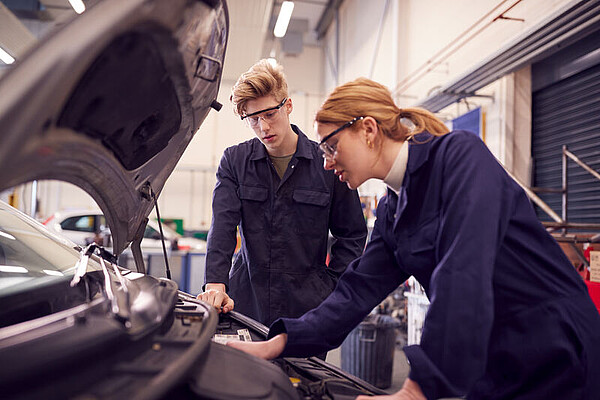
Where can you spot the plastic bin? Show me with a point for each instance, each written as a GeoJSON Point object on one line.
{"type": "Point", "coordinates": [368, 351]}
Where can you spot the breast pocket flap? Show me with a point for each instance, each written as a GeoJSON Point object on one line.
{"type": "Point", "coordinates": [311, 197]}
{"type": "Point", "coordinates": [253, 193]}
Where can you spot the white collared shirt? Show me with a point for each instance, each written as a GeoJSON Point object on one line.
{"type": "Point", "coordinates": [395, 176]}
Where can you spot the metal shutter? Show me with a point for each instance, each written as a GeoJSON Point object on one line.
{"type": "Point", "coordinates": [568, 113]}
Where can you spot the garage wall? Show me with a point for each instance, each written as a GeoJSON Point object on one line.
{"type": "Point", "coordinates": [428, 43]}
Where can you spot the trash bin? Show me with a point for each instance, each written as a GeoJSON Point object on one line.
{"type": "Point", "coordinates": [368, 351]}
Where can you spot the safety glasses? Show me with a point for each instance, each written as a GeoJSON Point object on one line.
{"type": "Point", "coordinates": [330, 149]}
{"type": "Point", "coordinates": [268, 115]}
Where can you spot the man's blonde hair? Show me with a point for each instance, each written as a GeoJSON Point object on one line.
{"type": "Point", "coordinates": [262, 79]}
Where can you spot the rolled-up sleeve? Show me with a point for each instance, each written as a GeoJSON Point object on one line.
{"type": "Point", "coordinates": [348, 227]}
{"type": "Point", "coordinates": [475, 213]}
{"type": "Point", "coordinates": [226, 207]}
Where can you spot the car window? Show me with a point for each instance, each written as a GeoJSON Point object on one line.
{"type": "Point", "coordinates": [83, 223]}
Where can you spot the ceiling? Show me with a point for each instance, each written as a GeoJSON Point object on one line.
{"type": "Point", "coordinates": [22, 22]}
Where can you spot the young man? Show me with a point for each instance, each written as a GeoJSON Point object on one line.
{"type": "Point", "coordinates": [275, 189]}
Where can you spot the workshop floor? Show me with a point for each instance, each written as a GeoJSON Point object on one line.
{"type": "Point", "coordinates": [399, 371]}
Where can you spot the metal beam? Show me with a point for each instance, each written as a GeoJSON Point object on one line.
{"type": "Point", "coordinates": [327, 17]}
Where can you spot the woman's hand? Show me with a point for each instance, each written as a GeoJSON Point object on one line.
{"type": "Point", "coordinates": [268, 350]}
{"type": "Point", "coordinates": [410, 391]}
{"type": "Point", "coordinates": [216, 296]}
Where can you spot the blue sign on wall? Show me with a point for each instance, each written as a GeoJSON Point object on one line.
{"type": "Point", "coordinates": [470, 121]}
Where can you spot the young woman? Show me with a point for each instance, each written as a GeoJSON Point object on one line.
{"type": "Point", "coordinates": [509, 316]}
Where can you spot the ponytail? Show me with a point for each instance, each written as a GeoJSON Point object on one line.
{"type": "Point", "coordinates": [422, 120]}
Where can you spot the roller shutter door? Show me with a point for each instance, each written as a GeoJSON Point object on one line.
{"type": "Point", "coordinates": [567, 112]}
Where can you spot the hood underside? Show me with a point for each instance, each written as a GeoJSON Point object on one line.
{"type": "Point", "coordinates": [110, 100]}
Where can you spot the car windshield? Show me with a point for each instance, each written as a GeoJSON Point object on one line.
{"type": "Point", "coordinates": [29, 255]}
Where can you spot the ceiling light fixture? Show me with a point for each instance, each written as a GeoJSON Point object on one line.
{"type": "Point", "coordinates": [77, 5]}
{"type": "Point", "coordinates": [13, 269]}
{"type": "Point", "coordinates": [5, 57]}
{"type": "Point", "coordinates": [285, 13]}
{"type": "Point", "coordinates": [52, 272]}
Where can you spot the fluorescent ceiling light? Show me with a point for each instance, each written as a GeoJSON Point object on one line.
{"type": "Point", "coordinates": [52, 272]}
{"type": "Point", "coordinates": [77, 5]}
{"type": "Point", "coordinates": [285, 13]}
{"type": "Point", "coordinates": [13, 269]}
{"type": "Point", "coordinates": [5, 57]}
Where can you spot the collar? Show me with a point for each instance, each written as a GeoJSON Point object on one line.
{"type": "Point", "coordinates": [395, 176]}
{"type": "Point", "coordinates": [303, 147]}
{"type": "Point", "coordinates": [419, 148]}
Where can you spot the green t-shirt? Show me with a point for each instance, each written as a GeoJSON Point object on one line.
{"type": "Point", "coordinates": [281, 164]}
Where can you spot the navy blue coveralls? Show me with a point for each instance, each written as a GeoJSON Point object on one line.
{"type": "Point", "coordinates": [280, 270]}
{"type": "Point", "coordinates": [509, 317]}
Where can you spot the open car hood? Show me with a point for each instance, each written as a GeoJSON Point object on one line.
{"type": "Point", "coordinates": [110, 100]}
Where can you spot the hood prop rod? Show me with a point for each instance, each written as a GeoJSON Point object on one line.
{"type": "Point", "coordinates": [162, 236]}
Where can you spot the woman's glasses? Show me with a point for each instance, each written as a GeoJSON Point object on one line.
{"type": "Point", "coordinates": [330, 149]}
{"type": "Point", "coordinates": [269, 115]}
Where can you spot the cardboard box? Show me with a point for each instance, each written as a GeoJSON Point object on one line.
{"type": "Point", "coordinates": [595, 266]}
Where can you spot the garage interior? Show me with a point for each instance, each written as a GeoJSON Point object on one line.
{"type": "Point", "coordinates": [524, 75]}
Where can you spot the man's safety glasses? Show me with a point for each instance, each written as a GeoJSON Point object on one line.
{"type": "Point", "coordinates": [329, 149]}
{"type": "Point", "coordinates": [269, 115]}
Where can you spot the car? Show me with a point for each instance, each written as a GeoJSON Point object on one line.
{"type": "Point", "coordinates": [84, 226]}
{"type": "Point", "coordinates": [108, 102]}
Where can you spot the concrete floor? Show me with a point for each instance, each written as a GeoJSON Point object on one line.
{"type": "Point", "coordinates": [399, 371]}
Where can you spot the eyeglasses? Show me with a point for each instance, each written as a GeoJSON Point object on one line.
{"type": "Point", "coordinates": [268, 115]}
{"type": "Point", "coordinates": [330, 149]}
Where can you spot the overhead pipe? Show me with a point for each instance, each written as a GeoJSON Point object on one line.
{"type": "Point", "coordinates": [327, 16]}
{"type": "Point", "coordinates": [578, 21]}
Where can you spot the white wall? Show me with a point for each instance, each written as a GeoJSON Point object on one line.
{"type": "Point", "coordinates": [428, 43]}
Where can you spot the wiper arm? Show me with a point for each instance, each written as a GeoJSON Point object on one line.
{"type": "Point", "coordinates": [81, 266]}
{"type": "Point", "coordinates": [81, 270]}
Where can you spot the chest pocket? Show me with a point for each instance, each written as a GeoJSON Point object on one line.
{"type": "Point", "coordinates": [311, 210]}
{"type": "Point", "coordinates": [253, 199]}
{"type": "Point", "coordinates": [418, 254]}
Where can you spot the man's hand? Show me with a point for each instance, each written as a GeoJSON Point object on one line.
{"type": "Point", "coordinates": [215, 295]}
{"type": "Point", "coordinates": [410, 391]}
{"type": "Point", "coordinates": [268, 350]}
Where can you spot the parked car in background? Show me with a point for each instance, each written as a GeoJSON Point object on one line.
{"type": "Point", "coordinates": [86, 226]}
{"type": "Point", "coordinates": [109, 101]}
